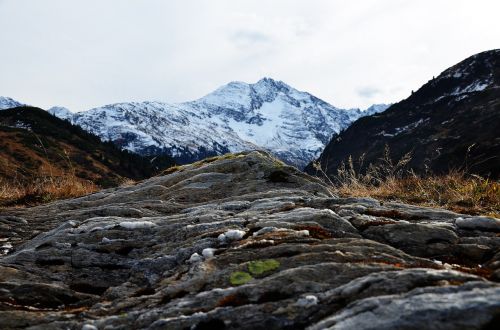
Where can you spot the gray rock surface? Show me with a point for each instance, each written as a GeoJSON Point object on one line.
{"type": "Point", "coordinates": [245, 242]}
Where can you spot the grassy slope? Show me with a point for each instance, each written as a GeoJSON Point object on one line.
{"type": "Point", "coordinates": [53, 153]}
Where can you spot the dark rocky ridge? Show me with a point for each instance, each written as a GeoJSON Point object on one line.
{"type": "Point", "coordinates": [452, 122]}
{"type": "Point", "coordinates": [245, 242]}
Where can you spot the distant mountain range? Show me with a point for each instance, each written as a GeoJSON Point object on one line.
{"type": "Point", "coordinates": [269, 115]}
{"type": "Point", "coordinates": [452, 122]}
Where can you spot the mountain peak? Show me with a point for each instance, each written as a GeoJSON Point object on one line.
{"type": "Point", "coordinates": [7, 103]}
{"type": "Point", "coordinates": [240, 95]}
{"type": "Point", "coordinates": [267, 81]}
{"type": "Point", "coordinates": [60, 112]}
{"type": "Point", "coordinates": [268, 88]}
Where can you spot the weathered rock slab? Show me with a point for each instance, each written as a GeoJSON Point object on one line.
{"type": "Point", "coordinates": [245, 242]}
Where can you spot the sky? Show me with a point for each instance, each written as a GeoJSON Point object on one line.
{"type": "Point", "coordinates": [84, 54]}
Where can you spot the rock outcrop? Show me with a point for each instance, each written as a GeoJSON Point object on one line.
{"type": "Point", "coordinates": [245, 242]}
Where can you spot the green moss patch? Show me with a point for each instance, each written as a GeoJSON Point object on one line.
{"type": "Point", "coordinates": [239, 278]}
{"type": "Point", "coordinates": [259, 267]}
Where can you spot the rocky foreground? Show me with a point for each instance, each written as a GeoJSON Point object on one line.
{"type": "Point", "coordinates": [245, 242]}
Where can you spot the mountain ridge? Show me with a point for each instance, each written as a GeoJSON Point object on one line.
{"type": "Point", "coordinates": [450, 123]}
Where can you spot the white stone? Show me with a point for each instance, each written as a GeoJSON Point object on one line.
{"type": "Point", "coordinates": [222, 238]}
{"type": "Point", "coordinates": [208, 253]}
{"type": "Point", "coordinates": [231, 235]}
{"type": "Point", "coordinates": [307, 301]}
{"type": "Point", "coordinates": [303, 233]}
{"type": "Point", "coordinates": [89, 327]}
{"type": "Point", "coordinates": [195, 257]}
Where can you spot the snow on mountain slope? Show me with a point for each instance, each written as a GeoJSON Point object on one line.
{"type": "Point", "coordinates": [464, 79]}
{"type": "Point", "coordinates": [61, 112]}
{"type": "Point", "coordinates": [270, 115]}
{"type": "Point", "coordinates": [376, 108]}
{"type": "Point", "coordinates": [154, 127]}
{"type": "Point", "coordinates": [7, 103]}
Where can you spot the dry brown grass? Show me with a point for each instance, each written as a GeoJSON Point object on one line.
{"type": "Point", "coordinates": [454, 191]}
{"type": "Point", "coordinates": [389, 181]}
{"type": "Point", "coordinates": [44, 190]}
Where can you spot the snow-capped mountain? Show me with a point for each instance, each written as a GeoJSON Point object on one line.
{"type": "Point", "coordinates": [7, 103]}
{"type": "Point", "coordinates": [270, 115]}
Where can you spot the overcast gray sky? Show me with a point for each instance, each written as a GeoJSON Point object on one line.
{"type": "Point", "coordinates": [82, 54]}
